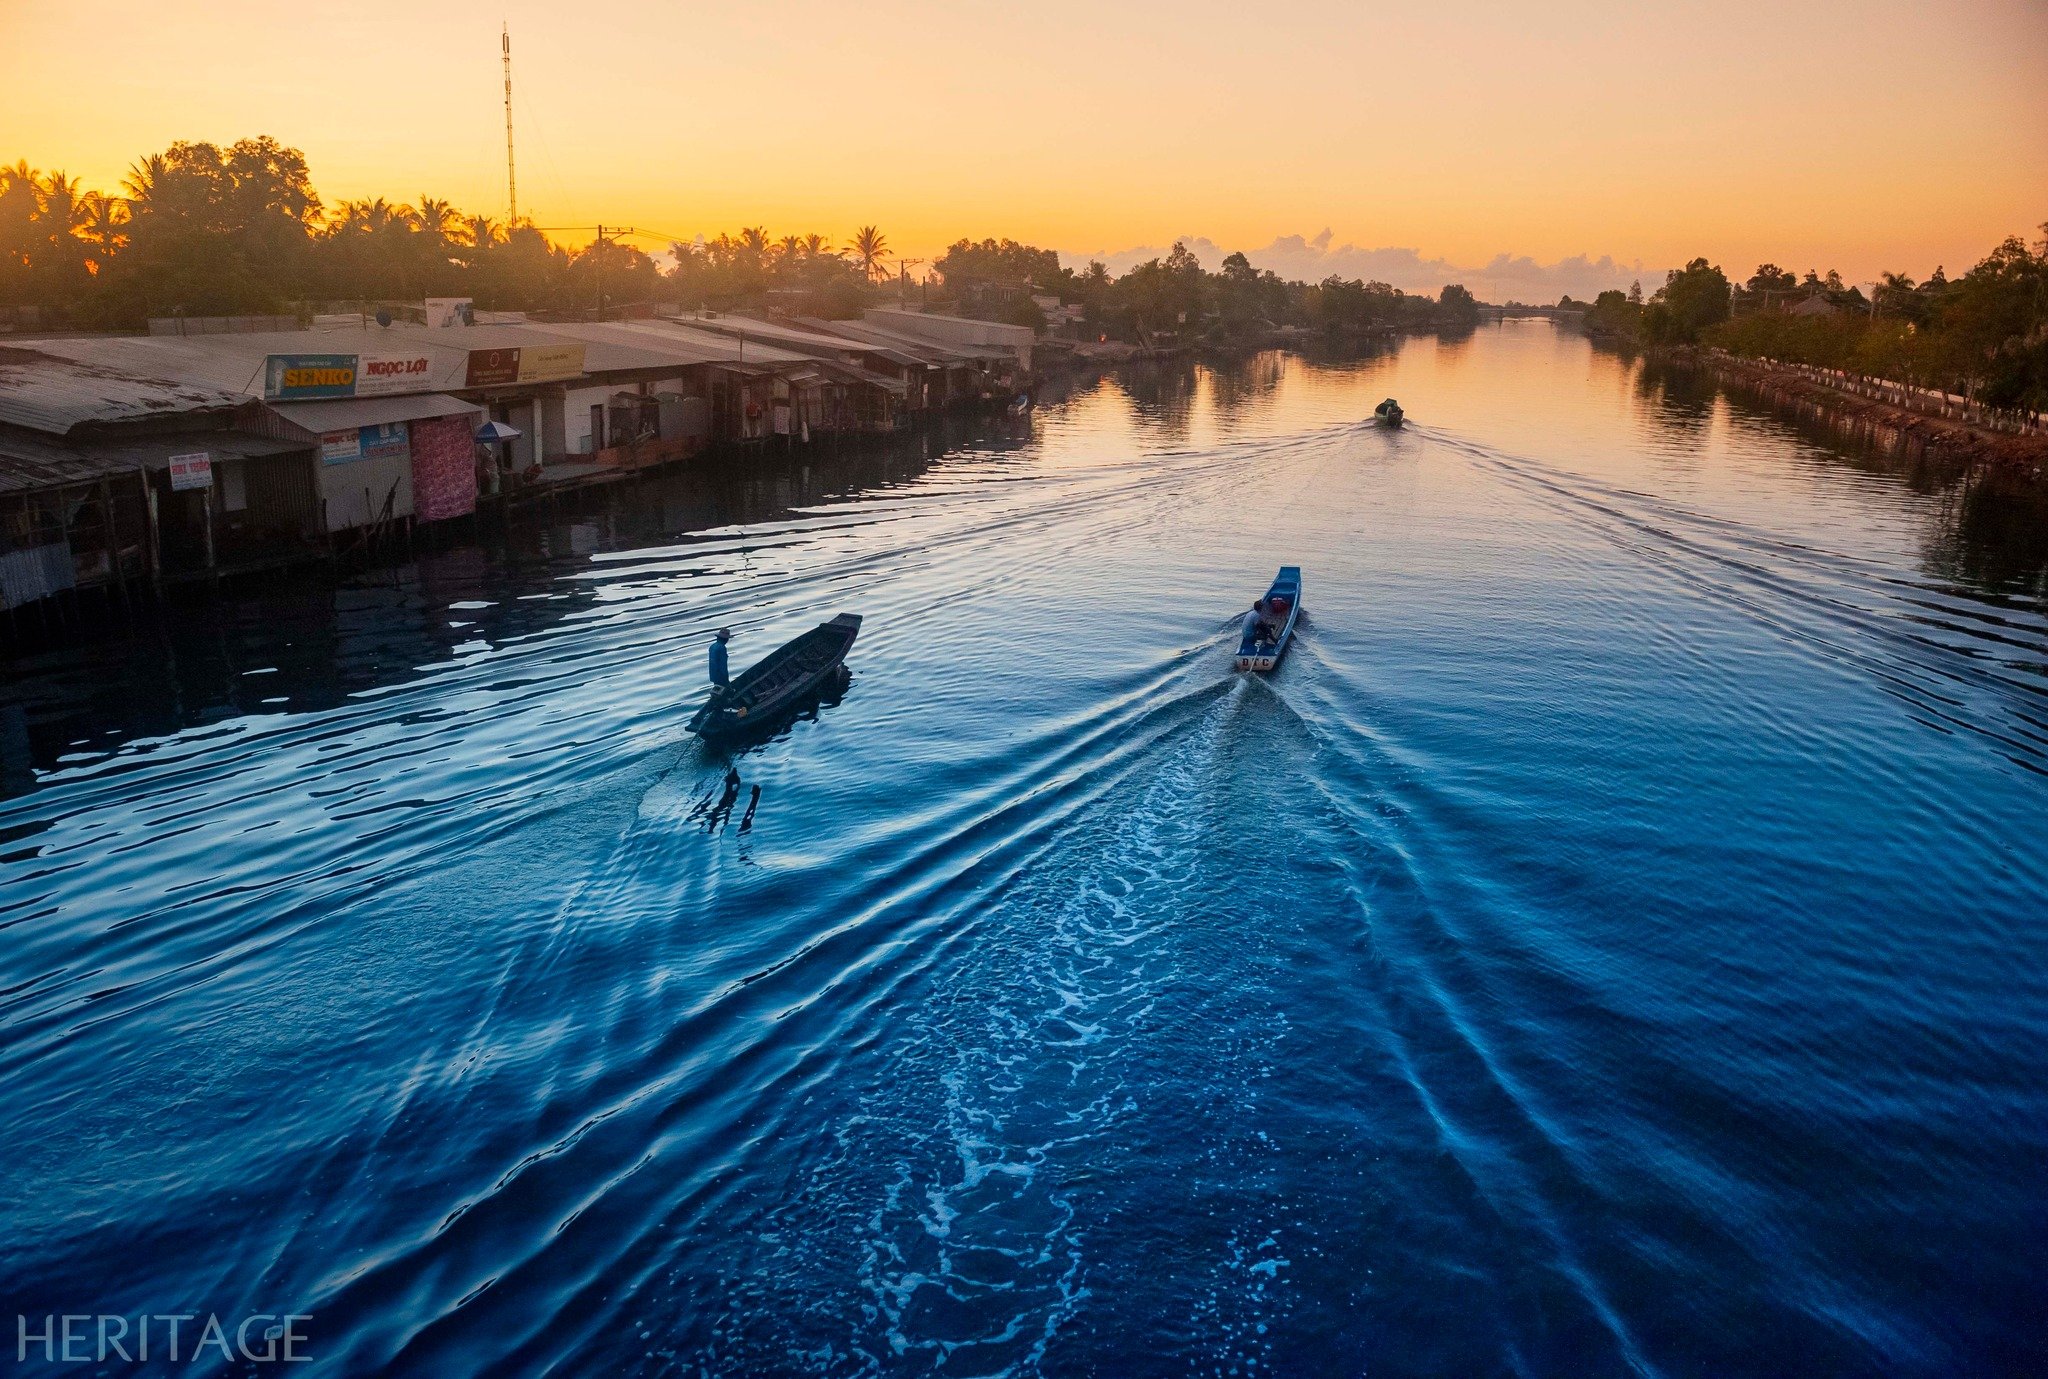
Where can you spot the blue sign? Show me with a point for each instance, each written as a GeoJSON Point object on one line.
{"type": "Point", "coordinates": [385, 441]}
{"type": "Point", "coordinates": [303, 377]}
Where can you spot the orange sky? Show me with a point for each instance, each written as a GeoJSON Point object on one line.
{"type": "Point", "coordinates": [1862, 135]}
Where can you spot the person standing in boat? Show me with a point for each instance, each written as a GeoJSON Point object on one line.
{"type": "Point", "coordinates": [720, 676]}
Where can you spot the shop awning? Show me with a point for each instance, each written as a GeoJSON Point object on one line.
{"type": "Point", "coordinates": [342, 413]}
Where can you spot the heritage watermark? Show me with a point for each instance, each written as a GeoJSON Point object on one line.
{"type": "Point", "coordinates": [162, 1337]}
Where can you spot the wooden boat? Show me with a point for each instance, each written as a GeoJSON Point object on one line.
{"type": "Point", "coordinates": [1390, 413]}
{"type": "Point", "coordinates": [780, 681]}
{"type": "Point", "coordinates": [1282, 600]}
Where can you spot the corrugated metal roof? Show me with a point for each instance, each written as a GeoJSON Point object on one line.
{"type": "Point", "coordinates": [51, 393]}
{"type": "Point", "coordinates": [235, 362]}
{"type": "Point", "coordinates": [154, 452]}
{"type": "Point", "coordinates": [799, 338]}
{"type": "Point", "coordinates": [339, 414]}
{"type": "Point", "coordinates": [615, 345]}
{"type": "Point", "coordinates": [56, 384]}
{"type": "Point", "coordinates": [30, 461]}
{"type": "Point", "coordinates": [808, 334]}
{"type": "Point", "coordinates": [920, 351]}
{"type": "Point", "coordinates": [685, 344]}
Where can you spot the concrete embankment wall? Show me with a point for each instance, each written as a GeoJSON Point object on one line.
{"type": "Point", "coordinates": [1870, 420]}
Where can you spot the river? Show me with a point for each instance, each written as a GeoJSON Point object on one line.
{"type": "Point", "coordinates": [1612, 943]}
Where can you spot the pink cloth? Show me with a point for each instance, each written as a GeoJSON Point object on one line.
{"type": "Point", "coordinates": [443, 469]}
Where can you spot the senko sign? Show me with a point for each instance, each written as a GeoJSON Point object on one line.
{"type": "Point", "coordinates": [303, 377]}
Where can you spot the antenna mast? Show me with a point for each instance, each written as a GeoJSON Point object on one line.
{"type": "Point", "coordinates": [511, 178]}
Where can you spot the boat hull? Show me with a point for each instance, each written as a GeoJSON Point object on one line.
{"type": "Point", "coordinates": [779, 684]}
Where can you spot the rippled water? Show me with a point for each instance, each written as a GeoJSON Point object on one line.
{"type": "Point", "coordinates": [1611, 943]}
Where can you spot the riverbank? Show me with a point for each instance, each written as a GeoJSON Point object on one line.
{"type": "Point", "coordinates": [1899, 420]}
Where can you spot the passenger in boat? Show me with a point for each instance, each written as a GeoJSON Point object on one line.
{"type": "Point", "coordinates": [1256, 629]}
{"type": "Point", "coordinates": [720, 678]}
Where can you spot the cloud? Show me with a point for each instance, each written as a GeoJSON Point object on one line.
{"type": "Point", "coordinates": [1505, 277]}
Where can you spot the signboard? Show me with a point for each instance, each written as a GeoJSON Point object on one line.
{"type": "Point", "coordinates": [302, 377]}
{"type": "Point", "coordinates": [191, 471]}
{"type": "Point", "coordinates": [385, 441]}
{"type": "Point", "coordinates": [540, 363]}
{"type": "Point", "coordinates": [340, 447]}
{"type": "Point", "coordinates": [488, 368]}
{"type": "Point", "coordinates": [392, 373]}
{"type": "Point", "coordinates": [450, 311]}
{"type": "Point", "coordinates": [524, 364]}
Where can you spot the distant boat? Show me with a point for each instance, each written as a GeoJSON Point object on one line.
{"type": "Point", "coordinates": [779, 682]}
{"type": "Point", "coordinates": [1390, 413]}
{"type": "Point", "coordinates": [1284, 601]}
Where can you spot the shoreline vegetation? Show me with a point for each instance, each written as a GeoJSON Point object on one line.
{"type": "Point", "coordinates": [200, 230]}
{"type": "Point", "coordinates": [1958, 366]}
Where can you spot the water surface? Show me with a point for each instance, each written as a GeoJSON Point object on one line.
{"type": "Point", "coordinates": [1611, 944]}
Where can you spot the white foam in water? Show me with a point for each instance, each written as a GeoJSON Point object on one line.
{"type": "Point", "coordinates": [975, 1256]}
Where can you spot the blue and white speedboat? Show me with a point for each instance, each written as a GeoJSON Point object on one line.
{"type": "Point", "coordinates": [1262, 647]}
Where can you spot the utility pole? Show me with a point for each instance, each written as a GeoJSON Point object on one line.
{"type": "Point", "coordinates": [597, 260]}
{"type": "Point", "coordinates": [511, 179]}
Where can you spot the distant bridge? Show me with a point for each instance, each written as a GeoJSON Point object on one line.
{"type": "Point", "coordinates": [1553, 313]}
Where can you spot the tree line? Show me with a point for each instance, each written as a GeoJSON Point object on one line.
{"type": "Point", "coordinates": [199, 229]}
{"type": "Point", "coordinates": [1175, 296]}
{"type": "Point", "coordinates": [202, 230]}
{"type": "Point", "coordinates": [1983, 335]}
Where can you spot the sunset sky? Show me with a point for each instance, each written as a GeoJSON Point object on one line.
{"type": "Point", "coordinates": [1428, 140]}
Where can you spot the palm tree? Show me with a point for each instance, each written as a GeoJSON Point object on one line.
{"type": "Point", "coordinates": [869, 247]}
{"type": "Point", "coordinates": [481, 232]}
{"type": "Point", "coordinates": [21, 201]}
{"type": "Point", "coordinates": [1892, 294]}
{"type": "Point", "coordinates": [438, 221]}
{"type": "Point", "coordinates": [59, 219]}
{"type": "Point", "coordinates": [145, 176]}
{"type": "Point", "coordinates": [814, 247]}
{"type": "Point", "coordinates": [105, 228]}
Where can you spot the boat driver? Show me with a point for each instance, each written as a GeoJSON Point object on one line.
{"type": "Point", "coordinates": [1256, 629]}
{"type": "Point", "coordinates": [720, 678]}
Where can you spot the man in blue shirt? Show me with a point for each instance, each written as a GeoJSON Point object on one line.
{"type": "Point", "coordinates": [719, 676]}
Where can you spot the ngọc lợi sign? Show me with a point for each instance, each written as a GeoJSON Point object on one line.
{"type": "Point", "coordinates": [303, 377]}
{"type": "Point", "coordinates": [191, 471]}
{"type": "Point", "coordinates": [392, 373]}
{"type": "Point", "coordinates": [341, 447]}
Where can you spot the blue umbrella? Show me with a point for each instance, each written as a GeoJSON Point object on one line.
{"type": "Point", "coordinates": [493, 431]}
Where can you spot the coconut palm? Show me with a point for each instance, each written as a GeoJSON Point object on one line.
{"type": "Point", "coordinates": [105, 228]}
{"type": "Point", "coordinates": [145, 177]}
{"type": "Point", "coordinates": [59, 218]}
{"type": "Point", "coordinates": [21, 201]}
{"type": "Point", "coordinates": [481, 233]}
{"type": "Point", "coordinates": [869, 247]}
{"type": "Point", "coordinates": [439, 222]}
